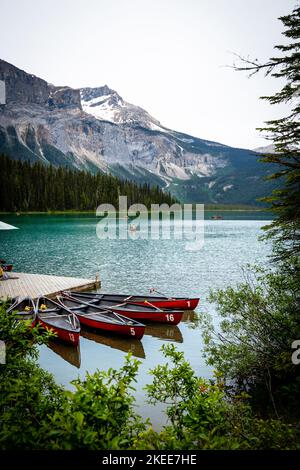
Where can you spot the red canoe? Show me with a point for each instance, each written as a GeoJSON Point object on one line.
{"type": "Point", "coordinates": [7, 267]}
{"type": "Point", "coordinates": [25, 309]}
{"type": "Point", "coordinates": [175, 303]}
{"type": "Point", "coordinates": [53, 316]}
{"type": "Point", "coordinates": [107, 320]}
{"type": "Point", "coordinates": [130, 310]}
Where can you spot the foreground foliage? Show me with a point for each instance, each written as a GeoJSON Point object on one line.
{"type": "Point", "coordinates": [36, 413]}
{"type": "Point", "coordinates": [99, 413]}
{"type": "Point", "coordinates": [252, 347]}
{"type": "Point", "coordinates": [202, 417]}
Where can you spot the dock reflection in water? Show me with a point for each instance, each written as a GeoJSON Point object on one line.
{"type": "Point", "coordinates": [163, 331]}
{"type": "Point", "coordinates": [68, 352]}
{"type": "Point", "coordinates": [127, 345]}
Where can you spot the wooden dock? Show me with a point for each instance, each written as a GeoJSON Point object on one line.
{"type": "Point", "coordinates": [33, 285]}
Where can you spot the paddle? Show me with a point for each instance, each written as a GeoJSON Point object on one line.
{"type": "Point", "coordinates": [154, 306]}
{"type": "Point", "coordinates": [157, 291]}
{"type": "Point", "coordinates": [101, 310]}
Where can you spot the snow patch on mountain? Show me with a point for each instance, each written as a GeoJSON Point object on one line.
{"type": "Point", "coordinates": [106, 104]}
{"type": "Point", "coordinates": [100, 110]}
{"type": "Point", "coordinates": [266, 149]}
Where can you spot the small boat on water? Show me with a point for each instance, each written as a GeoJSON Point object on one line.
{"type": "Point", "coordinates": [130, 310]}
{"type": "Point", "coordinates": [105, 320]}
{"type": "Point", "coordinates": [7, 267]}
{"type": "Point", "coordinates": [175, 303]}
{"type": "Point", "coordinates": [57, 318]}
{"type": "Point", "coordinates": [24, 308]}
{"type": "Point", "coordinates": [132, 228]}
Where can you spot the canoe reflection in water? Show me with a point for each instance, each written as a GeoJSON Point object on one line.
{"type": "Point", "coordinates": [163, 331]}
{"type": "Point", "coordinates": [68, 352]}
{"type": "Point", "coordinates": [191, 318]}
{"type": "Point", "coordinates": [72, 354]}
{"type": "Point", "coordinates": [127, 345]}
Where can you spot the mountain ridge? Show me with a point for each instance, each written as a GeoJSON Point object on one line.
{"type": "Point", "coordinates": [94, 129]}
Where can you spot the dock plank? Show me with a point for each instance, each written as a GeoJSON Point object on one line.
{"type": "Point", "coordinates": [33, 285]}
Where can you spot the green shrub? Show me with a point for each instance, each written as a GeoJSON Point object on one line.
{"type": "Point", "coordinates": [36, 413]}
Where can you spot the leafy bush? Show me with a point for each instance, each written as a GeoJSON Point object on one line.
{"type": "Point", "coordinates": [252, 349]}
{"type": "Point", "coordinates": [99, 414]}
{"type": "Point", "coordinates": [202, 416]}
{"type": "Point", "coordinates": [27, 393]}
{"type": "Point", "coordinates": [36, 413]}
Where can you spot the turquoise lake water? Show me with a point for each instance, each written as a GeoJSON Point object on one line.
{"type": "Point", "coordinates": [68, 245]}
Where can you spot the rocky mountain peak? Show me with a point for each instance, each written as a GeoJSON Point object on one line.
{"type": "Point", "coordinates": [21, 87]}
{"type": "Point", "coordinates": [89, 93]}
{"type": "Point", "coordinates": [64, 97]}
{"type": "Point", "coordinates": [106, 104]}
{"type": "Point", "coordinates": [102, 102]}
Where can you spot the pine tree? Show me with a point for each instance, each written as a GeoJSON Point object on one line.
{"type": "Point", "coordinates": [285, 134]}
{"type": "Point", "coordinates": [36, 187]}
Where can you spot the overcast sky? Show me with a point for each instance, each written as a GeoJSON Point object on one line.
{"type": "Point", "coordinates": [167, 56]}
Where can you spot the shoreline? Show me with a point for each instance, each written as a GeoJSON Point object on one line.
{"type": "Point", "coordinates": [71, 212]}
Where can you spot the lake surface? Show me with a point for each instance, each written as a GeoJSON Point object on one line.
{"type": "Point", "coordinates": [68, 245]}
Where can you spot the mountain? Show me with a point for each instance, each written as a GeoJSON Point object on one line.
{"type": "Point", "coordinates": [95, 129]}
{"type": "Point", "coordinates": [107, 105]}
{"type": "Point", "coordinates": [266, 149]}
